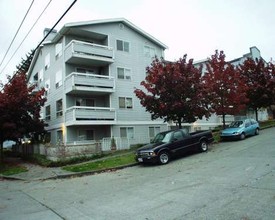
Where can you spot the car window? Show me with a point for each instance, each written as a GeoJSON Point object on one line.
{"type": "Point", "coordinates": [236, 124]}
{"type": "Point", "coordinates": [185, 132]}
{"type": "Point", "coordinates": [167, 137]}
{"type": "Point", "coordinates": [177, 135]}
{"type": "Point", "coordinates": [247, 123]}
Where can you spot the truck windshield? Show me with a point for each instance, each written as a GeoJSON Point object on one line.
{"type": "Point", "coordinates": [164, 138]}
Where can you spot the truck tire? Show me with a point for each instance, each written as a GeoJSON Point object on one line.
{"type": "Point", "coordinates": [203, 147]}
{"type": "Point", "coordinates": [163, 157]}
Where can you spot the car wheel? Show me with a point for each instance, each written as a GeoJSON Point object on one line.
{"type": "Point", "coordinates": [203, 146]}
{"type": "Point", "coordinates": [164, 157]}
{"type": "Point", "coordinates": [242, 136]}
{"type": "Point", "coordinates": [257, 131]}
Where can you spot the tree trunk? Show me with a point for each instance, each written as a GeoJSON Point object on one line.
{"type": "Point", "coordinates": [256, 113]}
{"type": "Point", "coordinates": [1, 152]}
{"type": "Point", "coordinates": [223, 121]}
{"type": "Point", "coordinates": [179, 121]}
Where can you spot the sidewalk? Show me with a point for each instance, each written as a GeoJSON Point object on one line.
{"type": "Point", "coordinates": [37, 172]}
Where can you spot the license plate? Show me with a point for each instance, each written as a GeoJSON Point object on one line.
{"type": "Point", "coordinates": [140, 160]}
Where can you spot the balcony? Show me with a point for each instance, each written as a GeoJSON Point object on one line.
{"type": "Point", "coordinates": [84, 115]}
{"type": "Point", "coordinates": [82, 53]}
{"type": "Point", "coordinates": [82, 83]}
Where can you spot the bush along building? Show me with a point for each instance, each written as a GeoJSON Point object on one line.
{"type": "Point", "coordinates": [89, 70]}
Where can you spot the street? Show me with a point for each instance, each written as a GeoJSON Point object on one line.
{"type": "Point", "coordinates": [233, 180]}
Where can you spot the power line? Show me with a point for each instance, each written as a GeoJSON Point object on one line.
{"type": "Point", "coordinates": [16, 33]}
{"type": "Point", "coordinates": [26, 36]}
{"type": "Point", "coordinates": [31, 55]}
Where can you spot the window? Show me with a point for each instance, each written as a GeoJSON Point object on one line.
{"type": "Point", "coordinates": [41, 75]}
{"type": "Point", "coordinates": [125, 102]}
{"type": "Point", "coordinates": [35, 77]}
{"type": "Point", "coordinates": [85, 135]}
{"type": "Point", "coordinates": [47, 87]}
{"type": "Point", "coordinates": [123, 73]}
{"type": "Point", "coordinates": [85, 102]}
{"type": "Point", "coordinates": [177, 135]}
{"type": "Point", "coordinates": [84, 70]}
{"type": "Point", "coordinates": [58, 79]}
{"type": "Point", "coordinates": [197, 128]}
{"type": "Point", "coordinates": [58, 50]}
{"type": "Point", "coordinates": [122, 45]}
{"type": "Point", "coordinates": [47, 61]}
{"type": "Point", "coordinates": [59, 136]}
{"type": "Point", "coordinates": [153, 131]}
{"type": "Point", "coordinates": [48, 112]}
{"type": "Point", "coordinates": [127, 132]}
{"type": "Point", "coordinates": [149, 51]}
{"type": "Point", "coordinates": [59, 108]}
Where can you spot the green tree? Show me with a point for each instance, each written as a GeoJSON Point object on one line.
{"type": "Point", "coordinates": [25, 63]}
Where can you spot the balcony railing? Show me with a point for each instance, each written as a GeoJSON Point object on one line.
{"type": "Point", "coordinates": [82, 82]}
{"type": "Point", "coordinates": [79, 52]}
{"type": "Point", "coordinates": [81, 115]}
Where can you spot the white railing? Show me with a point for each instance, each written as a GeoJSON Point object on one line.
{"type": "Point", "coordinates": [89, 113]}
{"type": "Point", "coordinates": [85, 48]}
{"type": "Point", "coordinates": [89, 82]}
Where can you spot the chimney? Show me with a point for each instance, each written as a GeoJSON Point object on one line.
{"type": "Point", "coordinates": [51, 35]}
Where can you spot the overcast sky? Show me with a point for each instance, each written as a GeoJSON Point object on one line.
{"type": "Point", "coordinates": [193, 27]}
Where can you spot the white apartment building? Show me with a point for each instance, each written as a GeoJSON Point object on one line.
{"type": "Point", "coordinates": [90, 70]}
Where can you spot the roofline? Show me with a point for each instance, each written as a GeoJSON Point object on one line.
{"type": "Point", "coordinates": [67, 26]}
{"type": "Point", "coordinates": [36, 53]}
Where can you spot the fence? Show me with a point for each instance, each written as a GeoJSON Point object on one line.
{"type": "Point", "coordinates": [121, 143]}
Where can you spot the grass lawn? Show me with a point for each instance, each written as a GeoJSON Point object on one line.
{"type": "Point", "coordinates": [8, 169]}
{"type": "Point", "coordinates": [109, 162]}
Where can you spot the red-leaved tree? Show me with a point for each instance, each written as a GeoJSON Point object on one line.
{"type": "Point", "coordinates": [257, 77]}
{"type": "Point", "coordinates": [173, 91]}
{"type": "Point", "coordinates": [271, 86]}
{"type": "Point", "coordinates": [20, 109]}
{"type": "Point", "coordinates": [225, 87]}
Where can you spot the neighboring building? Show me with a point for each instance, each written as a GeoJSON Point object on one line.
{"type": "Point", "coordinates": [216, 120]}
{"type": "Point", "coordinates": [90, 70]}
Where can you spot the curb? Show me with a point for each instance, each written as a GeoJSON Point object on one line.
{"type": "Point", "coordinates": [4, 177]}
{"type": "Point", "coordinates": [70, 175]}
{"type": "Point", "coordinates": [86, 173]}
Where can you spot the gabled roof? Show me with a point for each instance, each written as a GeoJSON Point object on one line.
{"type": "Point", "coordinates": [124, 21]}
{"type": "Point", "coordinates": [66, 28]}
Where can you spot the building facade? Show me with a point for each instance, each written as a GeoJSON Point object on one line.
{"type": "Point", "coordinates": [90, 70]}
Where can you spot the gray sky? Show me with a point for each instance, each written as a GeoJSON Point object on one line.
{"type": "Point", "coordinates": [193, 27]}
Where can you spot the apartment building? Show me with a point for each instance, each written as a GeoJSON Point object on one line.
{"type": "Point", "coordinates": [90, 70]}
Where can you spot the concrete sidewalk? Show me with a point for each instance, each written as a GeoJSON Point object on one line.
{"type": "Point", "coordinates": [37, 172]}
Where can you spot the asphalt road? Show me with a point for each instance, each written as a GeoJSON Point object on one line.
{"type": "Point", "coordinates": [234, 180]}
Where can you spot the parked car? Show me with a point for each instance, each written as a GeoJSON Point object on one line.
{"type": "Point", "coordinates": [167, 144]}
{"type": "Point", "coordinates": [240, 129]}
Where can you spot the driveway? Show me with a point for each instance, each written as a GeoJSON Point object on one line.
{"type": "Point", "coordinates": [234, 180]}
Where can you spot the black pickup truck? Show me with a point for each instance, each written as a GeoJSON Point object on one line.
{"type": "Point", "coordinates": [171, 143]}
